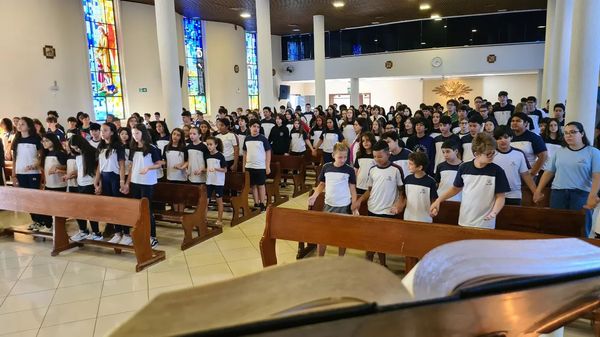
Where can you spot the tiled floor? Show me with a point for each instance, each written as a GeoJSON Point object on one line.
{"type": "Point", "coordinates": [88, 291]}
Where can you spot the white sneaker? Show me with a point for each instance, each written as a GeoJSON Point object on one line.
{"type": "Point", "coordinates": [126, 240]}
{"type": "Point", "coordinates": [33, 226]}
{"type": "Point", "coordinates": [79, 236]}
{"type": "Point", "coordinates": [115, 239]}
{"type": "Point", "coordinates": [94, 237]}
{"type": "Point", "coordinates": [44, 229]}
{"type": "Point", "coordinates": [153, 242]}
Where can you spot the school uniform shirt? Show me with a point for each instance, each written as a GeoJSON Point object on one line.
{"type": "Point", "coordinates": [384, 183]}
{"type": "Point", "coordinates": [139, 160]}
{"type": "Point", "coordinates": [337, 181]}
{"type": "Point", "coordinates": [536, 116]}
{"type": "Point", "coordinates": [419, 193]}
{"type": "Point", "coordinates": [216, 160]}
{"type": "Point", "coordinates": [27, 154]}
{"type": "Point", "coordinates": [72, 132]}
{"type": "Point", "coordinates": [173, 156]}
{"type": "Point", "coordinates": [59, 133]}
{"type": "Point", "coordinates": [94, 143]}
{"type": "Point", "coordinates": [256, 148]}
{"type": "Point", "coordinates": [315, 135]}
{"type": "Point", "coordinates": [82, 178]}
{"type": "Point", "coordinates": [552, 145]}
{"type": "Point", "coordinates": [111, 164]}
{"type": "Point", "coordinates": [424, 144]}
{"type": "Point", "coordinates": [445, 175]}
{"type": "Point", "coordinates": [298, 140]}
{"type": "Point", "coordinates": [363, 164]}
{"type": "Point", "coordinates": [229, 140]}
{"type": "Point", "coordinates": [241, 136]}
{"type": "Point", "coordinates": [71, 167]}
{"type": "Point", "coordinates": [480, 186]}
{"type": "Point", "coordinates": [531, 144]}
{"type": "Point", "coordinates": [348, 132]}
{"type": "Point", "coordinates": [279, 139]}
{"type": "Point", "coordinates": [514, 164]}
{"type": "Point", "coordinates": [160, 144]}
{"type": "Point", "coordinates": [502, 114]}
{"type": "Point", "coordinates": [467, 148]}
{"type": "Point", "coordinates": [267, 125]}
{"type": "Point", "coordinates": [289, 125]}
{"type": "Point", "coordinates": [54, 158]}
{"type": "Point", "coordinates": [197, 154]}
{"type": "Point", "coordinates": [573, 169]}
{"type": "Point", "coordinates": [438, 141]}
{"type": "Point", "coordinates": [401, 159]}
{"type": "Point", "coordinates": [434, 133]}
{"type": "Point", "coordinates": [307, 117]}
{"type": "Point", "coordinates": [329, 138]}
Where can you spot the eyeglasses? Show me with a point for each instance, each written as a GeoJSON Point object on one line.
{"type": "Point", "coordinates": [571, 133]}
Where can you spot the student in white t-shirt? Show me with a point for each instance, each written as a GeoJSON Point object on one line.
{"type": "Point", "coordinates": [445, 173]}
{"type": "Point", "coordinates": [475, 124]}
{"type": "Point", "coordinates": [197, 152]}
{"type": "Point", "coordinates": [231, 148]}
{"type": "Point", "coordinates": [338, 180]}
{"type": "Point", "coordinates": [53, 162]}
{"type": "Point", "coordinates": [386, 188]}
{"type": "Point", "coordinates": [364, 161]}
{"type": "Point", "coordinates": [420, 189]}
{"type": "Point", "coordinates": [216, 166]}
{"type": "Point", "coordinates": [483, 185]}
{"type": "Point", "coordinates": [257, 161]}
{"type": "Point", "coordinates": [515, 165]}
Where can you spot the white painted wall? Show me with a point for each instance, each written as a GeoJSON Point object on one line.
{"type": "Point", "coordinates": [463, 60]}
{"type": "Point", "coordinates": [517, 86]}
{"type": "Point", "coordinates": [225, 47]}
{"type": "Point", "coordinates": [26, 76]}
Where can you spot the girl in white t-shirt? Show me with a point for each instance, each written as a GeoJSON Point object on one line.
{"type": "Point", "coordinates": [216, 166]}
{"type": "Point", "coordinates": [231, 149]}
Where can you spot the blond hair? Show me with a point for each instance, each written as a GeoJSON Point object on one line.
{"type": "Point", "coordinates": [340, 147]}
{"type": "Point", "coordinates": [483, 143]}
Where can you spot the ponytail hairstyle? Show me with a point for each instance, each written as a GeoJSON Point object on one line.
{"type": "Point", "coordinates": [87, 151]}
{"type": "Point", "coordinates": [56, 145]}
{"type": "Point", "coordinates": [217, 141]}
{"type": "Point", "coordinates": [581, 130]}
{"type": "Point", "coordinates": [114, 141]}
{"type": "Point", "coordinates": [146, 140]}
{"type": "Point", "coordinates": [18, 135]}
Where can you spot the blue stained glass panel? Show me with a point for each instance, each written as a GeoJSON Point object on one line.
{"type": "Point", "coordinates": [192, 31]}
{"type": "Point", "coordinates": [252, 68]}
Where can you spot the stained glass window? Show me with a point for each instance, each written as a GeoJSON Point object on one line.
{"type": "Point", "coordinates": [103, 55]}
{"type": "Point", "coordinates": [194, 58]}
{"type": "Point", "coordinates": [252, 63]}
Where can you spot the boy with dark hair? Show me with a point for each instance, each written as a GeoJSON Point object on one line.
{"type": "Point", "coordinates": [94, 135]}
{"type": "Point", "coordinates": [157, 116]}
{"type": "Point", "coordinates": [72, 127]}
{"type": "Point", "coordinates": [52, 127]}
{"type": "Point", "coordinates": [475, 125]}
{"type": "Point", "coordinates": [445, 172]}
{"type": "Point", "coordinates": [85, 126]}
{"type": "Point", "coordinates": [55, 114]}
{"type": "Point", "coordinates": [384, 195]}
{"type": "Point", "coordinates": [420, 141]}
{"type": "Point", "coordinates": [531, 144]}
{"type": "Point", "coordinates": [257, 161]}
{"type": "Point", "coordinates": [446, 134]}
{"type": "Point", "coordinates": [420, 189]}
{"type": "Point", "coordinates": [398, 154]}
{"type": "Point", "coordinates": [503, 110]}
{"type": "Point", "coordinates": [534, 114]}
{"type": "Point", "coordinates": [186, 118]}
{"type": "Point", "coordinates": [268, 122]}
{"type": "Point", "coordinates": [514, 164]}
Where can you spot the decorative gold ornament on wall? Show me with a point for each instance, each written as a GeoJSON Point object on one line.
{"type": "Point", "coordinates": [452, 89]}
{"type": "Point", "coordinates": [389, 64]}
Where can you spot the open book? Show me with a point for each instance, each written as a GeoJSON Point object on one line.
{"type": "Point", "coordinates": [320, 284]}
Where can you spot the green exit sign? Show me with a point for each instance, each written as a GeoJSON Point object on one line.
{"type": "Point", "coordinates": [143, 89]}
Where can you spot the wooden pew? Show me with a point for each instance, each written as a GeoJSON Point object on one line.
{"type": "Point", "coordinates": [239, 182]}
{"type": "Point", "coordinates": [128, 212]}
{"type": "Point", "coordinates": [294, 164]}
{"type": "Point", "coordinates": [274, 196]}
{"type": "Point", "coordinates": [185, 195]}
{"type": "Point", "coordinates": [527, 199]}
{"type": "Point", "coordinates": [313, 163]}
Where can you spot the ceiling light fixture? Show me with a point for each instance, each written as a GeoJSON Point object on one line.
{"type": "Point", "coordinates": [474, 30]}
{"type": "Point", "coordinates": [424, 7]}
{"type": "Point", "coordinates": [375, 22]}
{"type": "Point", "coordinates": [436, 17]}
{"type": "Point", "coordinates": [296, 30]}
{"type": "Point", "coordinates": [445, 26]}
{"type": "Point", "coordinates": [245, 15]}
{"type": "Point", "coordinates": [541, 27]}
{"type": "Point", "coordinates": [338, 4]}
{"type": "Point", "coordinates": [375, 40]}
{"type": "Point", "coordinates": [423, 43]}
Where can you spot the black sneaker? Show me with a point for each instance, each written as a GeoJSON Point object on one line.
{"type": "Point", "coordinates": [262, 207]}
{"type": "Point", "coordinates": [256, 205]}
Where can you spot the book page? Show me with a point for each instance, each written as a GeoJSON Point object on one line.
{"type": "Point", "coordinates": [448, 266]}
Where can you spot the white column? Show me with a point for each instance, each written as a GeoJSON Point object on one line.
{"type": "Point", "coordinates": [354, 92]}
{"type": "Point", "coordinates": [584, 66]}
{"type": "Point", "coordinates": [561, 47]}
{"type": "Point", "coordinates": [540, 88]}
{"type": "Point", "coordinates": [166, 30]}
{"type": "Point", "coordinates": [547, 72]}
{"type": "Point", "coordinates": [266, 96]}
{"type": "Point", "coordinates": [319, 54]}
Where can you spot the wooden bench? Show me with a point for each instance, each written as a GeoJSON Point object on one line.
{"type": "Point", "coordinates": [296, 166]}
{"type": "Point", "coordinates": [239, 182]}
{"type": "Point", "coordinates": [314, 163]}
{"type": "Point", "coordinates": [127, 212]}
{"type": "Point", "coordinates": [527, 199]}
{"type": "Point", "coordinates": [179, 196]}
{"type": "Point", "coordinates": [274, 196]}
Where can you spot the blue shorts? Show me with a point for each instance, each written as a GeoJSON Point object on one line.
{"type": "Point", "coordinates": [258, 177]}
{"type": "Point", "coordinates": [214, 188]}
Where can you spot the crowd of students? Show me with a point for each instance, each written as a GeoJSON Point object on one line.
{"type": "Point", "coordinates": [395, 161]}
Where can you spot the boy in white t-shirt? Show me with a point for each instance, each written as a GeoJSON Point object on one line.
{"type": "Point", "coordinates": [231, 147]}
{"type": "Point", "coordinates": [445, 172]}
{"type": "Point", "coordinates": [483, 185]}
{"type": "Point", "coordinates": [257, 161]}
{"type": "Point", "coordinates": [386, 189]}
{"type": "Point", "coordinates": [514, 163]}
{"type": "Point", "coordinates": [420, 189]}
{"type": "Point", "coordinates": [339, 182]}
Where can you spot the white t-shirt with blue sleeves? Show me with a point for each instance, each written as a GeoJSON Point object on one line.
{"type": "Point", "coordinates": [445, 175]}
{"type": "Point", "coordinates": [256, 148]}
{"type": "Point", "coordinates": [216, 160]}
{"type": "Point", "coordinates": [574, 169]}
{"type": "Point", "coordinates": [419, 193]}
{"type": "Point", "coordinates": [337, 181]}
{"type": "Point", "coordinates": [27, 154]}
{"type": "Point", "coordinates": [531, 144]}
{"type": "Point", "coordinates": [514, 164]}
{"type": "Point", "coordinates": [139, 160]}
{"type": "Point", "coordinates": [479, 189]}
{"type": "Point", "coordinates": [383, 183]}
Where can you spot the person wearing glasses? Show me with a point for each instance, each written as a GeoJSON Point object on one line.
{"type": "Point", "coordinates": [483, 185]}
{"type": "Point", "coordinates": [576, 172]}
